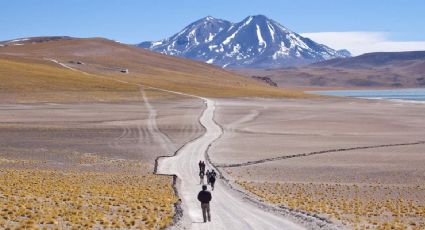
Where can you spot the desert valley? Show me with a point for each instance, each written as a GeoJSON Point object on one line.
{"type": "Point", "coordinates": [98, 134]}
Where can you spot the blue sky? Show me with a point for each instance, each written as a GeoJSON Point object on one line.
{"type": "Point", "coordinates": [133, 21]}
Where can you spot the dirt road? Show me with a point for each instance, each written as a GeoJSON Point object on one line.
{"type": "Point", "coordinates": [229, 210]}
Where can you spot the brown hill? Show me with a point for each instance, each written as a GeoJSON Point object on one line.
{"type": "Point", "coordinates": [384, 69]}
{"type": "Point", "coordinates": [87, 69]}
{"type": "Point", "coordinates": [370, 60]}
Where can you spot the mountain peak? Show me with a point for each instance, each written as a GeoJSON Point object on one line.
{"type": "Point", "coordinates": [208, 18]}
{"type": "Point", "coordinates": [259, 17]}
{"type": "Point", "coordinates": [256, 41]}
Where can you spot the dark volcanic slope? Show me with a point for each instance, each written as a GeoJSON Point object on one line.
{"type": "Point", "coordinates": [386, 69]}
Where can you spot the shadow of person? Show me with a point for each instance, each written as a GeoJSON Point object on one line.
{"type": "Point", "coordinates": [198, 222]}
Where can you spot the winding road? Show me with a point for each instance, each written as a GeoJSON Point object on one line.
{"type": "Point", "coordinates": [228, 209]}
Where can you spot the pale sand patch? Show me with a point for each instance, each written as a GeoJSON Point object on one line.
{"type": "Point", "coordinates": [118, 130]}
{"type": "Point", "coordinates": [287, 127]}
{"type": "Point", "coordinates": [400, 165]}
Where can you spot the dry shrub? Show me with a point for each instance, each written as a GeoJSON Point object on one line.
{"type": "Point", "coordinates": [58, 199]}
{"type": "Point", "coordinates": [360, 206]}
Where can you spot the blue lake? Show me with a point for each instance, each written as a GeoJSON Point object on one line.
{"type": "Point", "coordinates": [417, 95]}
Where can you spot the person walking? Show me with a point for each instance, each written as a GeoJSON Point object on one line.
{"type": "Point", "coordinates": [203, 166]}
{"type": "Point", "coordinates": [208, 174]}
{"type": "Point", "coordinates": [213, 173]}
{"type": "Point", "coordinates": [212, 181]}
{"type": "Point", "coordinates": [200, 165]}
{"type": "Point", "coordinates": [201, 177]}
{"type": "Point", "coordinates": [205, 197]}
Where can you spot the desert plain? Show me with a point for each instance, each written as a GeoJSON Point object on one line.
{"type": "Point", "coordinates": [79, 144]}
{"type": "Point", "coordinates": [357, 162]}
{"type": "Point", "coordinates": [366, 168]}
{"type": "Point", "coordinates": [90, 165]}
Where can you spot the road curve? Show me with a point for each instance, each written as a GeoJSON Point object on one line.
{"type": "Point", "coordinates": [228, 209]}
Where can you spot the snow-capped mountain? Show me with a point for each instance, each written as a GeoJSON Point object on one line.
{"type": "Point", "coordinates": [257, 41]}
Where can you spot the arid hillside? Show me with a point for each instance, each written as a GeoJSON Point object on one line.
{"type": "Point", "coordinates": [372, 70]}
{"type": "Point", "coordinates": [74, 69]}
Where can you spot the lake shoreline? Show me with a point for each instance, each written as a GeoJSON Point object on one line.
{"type": "Point", "coordinates": [411, 95]}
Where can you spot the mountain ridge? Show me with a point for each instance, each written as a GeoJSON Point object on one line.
{"type": "Point", "coordinates": [374, 59]}
{"type": "Point", "coordinates": [256, 41]}
{"type": "Point", "coordinates": [371, 70]}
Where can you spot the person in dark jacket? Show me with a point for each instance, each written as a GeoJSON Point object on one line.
{"type": "Point", "coordinates": [204, 197]}
{"type": "Point", "coordinates": [213, 173]}
{"type": "Point", "coordinates": [200, 166]}
{"type": "Point", "coordinates": [203, 167]}
{"type": "Point", "coordinates": [212, 181]}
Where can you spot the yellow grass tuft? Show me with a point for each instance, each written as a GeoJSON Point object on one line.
{"type": "Point", "coordinates": [366, 207]}
{"type": "Point", "coordinates": [60, 199]}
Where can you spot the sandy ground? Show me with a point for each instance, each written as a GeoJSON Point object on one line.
{"type": "Point", "coordinates": [99, 155]}
{"type": "Point", "coordinates": [401, 165]}
{"type": "Point", "coordinates": [262, 128]}
{"type": "Point", "coordinates": [47, 131]}
{"type": "Point", "coordinates": [64, 135]}
{"type": "Point", "coordinates": [376, 187]}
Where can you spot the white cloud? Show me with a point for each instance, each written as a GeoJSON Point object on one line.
{"type": "Point", "coordinates": [364, 42]}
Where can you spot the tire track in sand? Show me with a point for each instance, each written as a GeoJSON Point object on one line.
{"type": "Point", "coordinates": [316, 153]}
{"type": "Point", "coordinates": [153, 129]}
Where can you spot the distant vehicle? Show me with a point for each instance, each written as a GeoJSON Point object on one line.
{"type": "Point", "coordinates": [77, 62]}
{"type": "Point", "coordinates": [124, 70]}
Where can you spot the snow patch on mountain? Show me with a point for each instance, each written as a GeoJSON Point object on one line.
{"type": "Point", "coordinates": [261, 41]}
